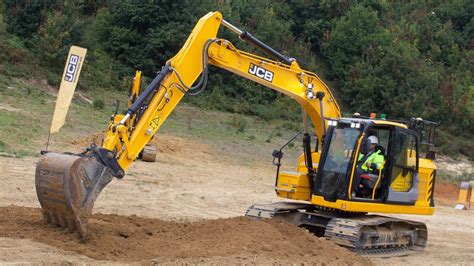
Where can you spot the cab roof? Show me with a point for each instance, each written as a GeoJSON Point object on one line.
{"type": "Point", "coordinates": [388, 122]}
{"type": "Point", "coordinates": [372, 121]}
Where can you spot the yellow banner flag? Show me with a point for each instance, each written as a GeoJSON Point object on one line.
{"type": "Point", "coordinates": [72, 70]}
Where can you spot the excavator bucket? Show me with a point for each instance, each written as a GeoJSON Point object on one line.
{"type": "Point", "coordinates": [67, 187]}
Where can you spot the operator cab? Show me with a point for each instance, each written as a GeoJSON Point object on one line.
{"type": "Point", "coordinates": [344, 174]}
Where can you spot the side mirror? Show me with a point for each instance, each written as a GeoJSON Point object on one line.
{"type": "Point", "coordinates": [365, 146]}
{"type": "Point", "coordinates": [277, 155]}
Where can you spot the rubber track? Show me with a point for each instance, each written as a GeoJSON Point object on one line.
{"type": "Point", "coordinates": [346, 232]}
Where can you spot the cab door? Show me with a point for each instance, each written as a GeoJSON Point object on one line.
{"type": "Point", "coordinates": [403, 177]}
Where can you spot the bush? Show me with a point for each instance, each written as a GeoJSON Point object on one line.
{"type": "Point", "coordinates": [2, 145]}
{"type": "Point", "coordinates": [452, 144]}
{"type": "Point", "coordinates": [25, 17]}
{"type": "Point", "coordinates": [241, 125]}
{"type": "Point", "coordinates": [98, 104]}
{"type": "Point", "coordinates": [53, 79]}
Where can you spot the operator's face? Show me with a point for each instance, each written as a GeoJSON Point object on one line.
{"type": "Point", "coordinates": [372, 147]}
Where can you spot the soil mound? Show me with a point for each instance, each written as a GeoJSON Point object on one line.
{"type": "Point", "coordinates": [446, 193]}
{"type": "Point", "coordinates": [165, 144]}
{"type": "Point", "coordinates": [84, 142]}
{"type": "Point", "coordinates": [133, 239]}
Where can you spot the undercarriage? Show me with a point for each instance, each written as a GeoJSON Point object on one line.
{"type": "Point", "coordinates": [370, 235]}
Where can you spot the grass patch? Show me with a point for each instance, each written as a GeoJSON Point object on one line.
{"type": "Point", "coordinates": [28, 107]}
{"type": "Point", "coordinates": [98, 104]}
{"type": "Point", "coordinates": [25, 115]}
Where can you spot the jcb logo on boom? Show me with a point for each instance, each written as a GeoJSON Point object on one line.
{"type": "Point", "coordinates": [261, 72]}
{"type": "Point", "coordinates": [71, 68]}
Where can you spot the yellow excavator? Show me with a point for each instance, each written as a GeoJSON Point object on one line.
{"type": "Point", "coordinates": [330, 193]}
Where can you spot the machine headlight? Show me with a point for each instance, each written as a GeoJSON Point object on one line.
{"type": "Point", "coordinates": [310, 95]}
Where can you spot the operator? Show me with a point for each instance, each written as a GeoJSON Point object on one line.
{"type": "Point", "coordinates": [368, 168]}
{"type": "Point", "coordinates": [371, 161]}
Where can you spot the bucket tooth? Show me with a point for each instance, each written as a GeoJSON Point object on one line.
{"type": "Point", "coordinates": [71, 225]}
{"type": "Point", "coordinates": [54, 219]}
{"type": "Point", "coordinates": [46, 217]}
{"type": "Point", "coordinates": [62, 221]}
{"type": "Point", "coordinates": [67, 187]}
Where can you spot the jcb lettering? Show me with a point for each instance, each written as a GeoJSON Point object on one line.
{"type": "Point", "coordinates": [261, 72]}
{"type": "Point", "coordinates": [71, 68]}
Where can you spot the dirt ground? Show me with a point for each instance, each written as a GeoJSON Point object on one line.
{"type": "Point", "coordinates": [138, 239]}
{"type": "Point", "coordinates": [185, 209]}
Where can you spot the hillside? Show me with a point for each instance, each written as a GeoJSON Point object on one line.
{"type": "Point", "coordinates": [402, 59]}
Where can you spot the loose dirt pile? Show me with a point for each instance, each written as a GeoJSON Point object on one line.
{"type": "Point", "coordinates": [132, 239]}
{"type": "Point", "coordinates": [88, 140]}
{"type": "Point", "coordinates": [446, 193]}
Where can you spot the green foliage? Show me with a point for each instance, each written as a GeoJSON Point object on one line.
{"type": "Point", "coordinates": [53, 79]}
{"type": "Point", "coordinates": [402, 58]}
{"type": "Point", "coordinates": [407, 60]}
{"type": "Point", "coordinates": [98, 104]}
{"type": "Point", "coordinates": [24, 17]}
{"type": "Point", "coordinates": [50, 38]}
{"type": "Point", "coordinates": [101, 71]}
{"type": "Point", "coordinates": [241, 124]}
{"type": "Point", "coordinates": [2, 145]}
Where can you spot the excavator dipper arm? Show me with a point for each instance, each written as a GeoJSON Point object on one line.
{"type": "Point", "coordinates": [68, 184]}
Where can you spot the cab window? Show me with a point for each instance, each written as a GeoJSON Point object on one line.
{"type": "Point", "coordinates": [405, 161]}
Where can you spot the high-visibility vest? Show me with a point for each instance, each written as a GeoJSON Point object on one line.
{"type": "Point", "coordinates": [376, 157]}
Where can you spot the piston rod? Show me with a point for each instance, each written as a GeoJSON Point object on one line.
{"type": "Point", "coordinates": [249, 38]}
